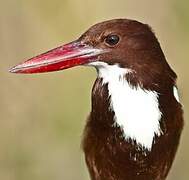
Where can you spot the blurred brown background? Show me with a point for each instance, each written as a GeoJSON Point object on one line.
{"type": "Point", "coordinates": [42, 116]}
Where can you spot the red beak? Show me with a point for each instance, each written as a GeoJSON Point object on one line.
{"type": "Point", "coordinates": [63, 57]}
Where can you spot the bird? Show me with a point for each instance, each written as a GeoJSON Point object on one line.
{"type": "Point", "coordinates": [136, 119]}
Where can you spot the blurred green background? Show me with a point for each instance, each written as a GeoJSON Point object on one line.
{"type": "Point", "coordinates": [43, 116]}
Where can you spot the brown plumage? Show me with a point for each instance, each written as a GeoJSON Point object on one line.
{"type": "Point", "coordinates": [109, 156]}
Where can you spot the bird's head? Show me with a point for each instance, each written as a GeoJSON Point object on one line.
{"type": "Point", "coordinates": [126, 43]}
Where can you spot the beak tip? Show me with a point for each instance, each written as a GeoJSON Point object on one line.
{"type": "Point", "coordinates": [13, 70]}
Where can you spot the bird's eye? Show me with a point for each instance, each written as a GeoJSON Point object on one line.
{"type": "Point", "coordinates": [112, 40]}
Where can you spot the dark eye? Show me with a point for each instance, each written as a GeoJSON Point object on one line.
{"type": "Point", "coordinates": [112, 40]}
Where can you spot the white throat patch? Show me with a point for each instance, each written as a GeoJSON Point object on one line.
{"type": "Point", "coordinates": [136, 110]}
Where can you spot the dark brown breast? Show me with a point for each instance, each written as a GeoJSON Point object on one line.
{"type": "Point", "coordinates": [110, 157]}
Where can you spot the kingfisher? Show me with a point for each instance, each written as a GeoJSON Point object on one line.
{"type": "Point", "coordinates": [136, 118]}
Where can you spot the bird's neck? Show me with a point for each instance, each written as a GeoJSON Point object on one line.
{"type": "Point", "coordinates": [128, 129]}
{"type": "Point", "coordinates": [133, 109]}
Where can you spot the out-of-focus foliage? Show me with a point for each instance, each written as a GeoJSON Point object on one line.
{"type": "Point", "coordinates": [42, 116]}
{"type": "Point", "coordinates": [181, 10]}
